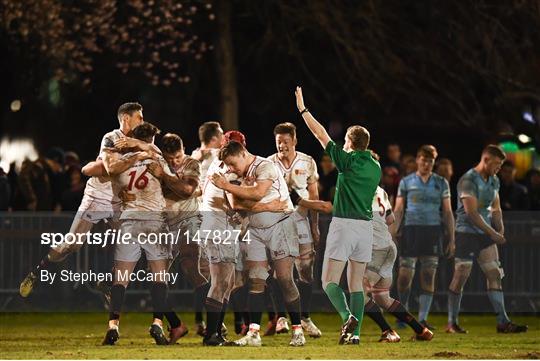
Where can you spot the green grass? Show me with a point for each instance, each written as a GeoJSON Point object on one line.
{"type": "Point", "coordinates": [78, 336]}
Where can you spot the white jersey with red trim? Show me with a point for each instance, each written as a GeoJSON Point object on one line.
{"type": "Point", "coordinates": [213, 198]}
{"type": "Point", "coordinates": [100, 188]}
{"type": "Point", "coordinates": [149, 201]}
{"type": "Point", "coordinates": [301, 173]}
{"type": "Point", "coordinates": [208, 158]}
{"type": "Point", "coordinates": [264, 169]}
{"type": "Point", "coordinates": [381, 207]}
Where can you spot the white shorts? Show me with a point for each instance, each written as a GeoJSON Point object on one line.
{"type": "Point", "coordinates": [382, 261]}
{"type": "Point", "coordinates": [188, 226]}
{"type": "Point", "coordinates": [132, 252]}
{"type": "Point", "coordinates": [94, 210]}
{"type": "Point", "coordinates": [224, 249]}
{"type": "Point", "coordinates": [349, 239]}
{"type": "Point", "coordinates": [281, 240]}
{"type": "Point", "coordinates": [303, 227]}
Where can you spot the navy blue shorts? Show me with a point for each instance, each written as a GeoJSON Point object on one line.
{"type": "Point", "coordinates": [418, 241]}
{"type": "Point", "coordinates": [469, 245]}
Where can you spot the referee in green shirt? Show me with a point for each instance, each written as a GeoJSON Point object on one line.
{"type": "Point", "coordinates": [350, 237]}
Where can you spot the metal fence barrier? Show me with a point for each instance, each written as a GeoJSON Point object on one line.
{"type": "Point", "coordinates": [20, 249]}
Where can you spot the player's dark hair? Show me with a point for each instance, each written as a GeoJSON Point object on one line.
{"type": "Point", "coordinates": [285, 128]}
{"type": "Point", "coordinates": [171, 143]}
{"type": "Point", "coordinates": [208, 130]}
{"type": "Point", "coordinates": [231, 149]}
{"type": "Point", "coordinates": [495, 151]}
{"type": "Point", "coordinates": [444, 161]}
{"type": "Point", "coordinates": [145, 132]}
{"type": "Point", "coordinates": [359, 137]}
{"type": "Point", "coordinates": [427, 151]}
{"type": "Point", "coordinates": [129, 109]}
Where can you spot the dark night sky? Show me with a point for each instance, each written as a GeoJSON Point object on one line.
{"type": "Point", "coordinates": [268, 68]}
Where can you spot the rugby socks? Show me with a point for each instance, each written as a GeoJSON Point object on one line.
{"type": "Point", "coordinates": [200, 295]}
{"type": "Point", "coordinates": [404, 296]}
{"type": "Point", "coordinates": [222, 316]}
{"type": "Point", "coordinates": [306, 291]}
{"type": "Point", "coordinates": [338, 299]}
{"type": "Point", "coordinates": [158, 293]}
{"type": "Point", "coordinates": [293, 308]}
{"type": "Point", "coordinates": [174, 320]}
{"type": "Point", "coordinates": [424, 305]}
{"type": "Point", "coordinates": [374, 312]}
{"type": "Point", "coordinates": [43, 264]}
{"type": "Point", "coordinates": [357, 309]}
{"type": "Point", "coordinates": [256, 306]}
{"type": "Point", "coordinates": [454, 303]}
{"type": "Point", "coordinates": [213, 316]}
{"type": "Point", "coordinates": [497, 300]}
{"type": "Point", "coordinates": [400, 312]}
{"type": "Point", "coordinates": [277, 296]}
{"type": "Point", "coordinates": [117, 300]}
{"type": "Point", "coordinates": [238, 306]}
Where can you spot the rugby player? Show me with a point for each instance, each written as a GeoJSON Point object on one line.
{"type": "Point", "coordinates": [274, 232]}
{"type": "Point", "coordinates": [479, 229]}
{"type": "Point", "coordinates": [350, 237]}
{"type": "Point", "coordinates": [300, 173]}
{"type": "Point", "coordinates": [218, 218]}
{"type": "Point", "coordinates": [421, 198]}
{"type": "Point", "coordinates": [182, 216]}
{"type": "Point", "coordinates": [210, 137]}
{"type": "Point", "coordinates": [142, 214]}
{"type": "Point", "coordinates": [98, 203]}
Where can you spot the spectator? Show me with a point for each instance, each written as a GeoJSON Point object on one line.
{"type": "Point", "coordinates": [5, 191]}
{"type": "Point", "coordinates": [393, 156]}
{"type": "Point", "coordinates": [445, 169]}
{"type": "Point", "coordinates": [71, 198]}
{"type": "Point", "coordinates": [41, 182]}
{"type": "Point", "coordinates": [72, 159]}
{"type": "Point", "coordinates": [327, 178]}
{"type": "Point", "coordinates": [408, 164]}
{"type": "Point", "coordinates": [513, 196]}
{"type": "Point", "coordinates": [533, 183]}
{"type": "Point", "coordinates": [389, 182]}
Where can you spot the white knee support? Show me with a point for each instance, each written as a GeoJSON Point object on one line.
{"type": "Point", "coordinates": [429, 262]}
{"type": "Point", "coordinates": [488, 267]}
{"type": "Point", "coordinates": [407, 262]}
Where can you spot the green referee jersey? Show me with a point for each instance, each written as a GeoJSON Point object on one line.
{"type": "Point", "coordinates": [359, 175]}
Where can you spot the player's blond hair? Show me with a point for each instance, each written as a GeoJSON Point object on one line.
{"type": "Point", "coordinates": [359, 137]}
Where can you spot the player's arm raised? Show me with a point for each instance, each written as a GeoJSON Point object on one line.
{"type": "Point", "coordinates": [470, 204]}
{"type": "Point", "coordinates": [316, 128]}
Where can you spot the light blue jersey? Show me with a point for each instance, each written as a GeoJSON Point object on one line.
{"type": "Point", "coordinates": [471, 184]}
{"type": "Point", "coordinates": [423, 200]}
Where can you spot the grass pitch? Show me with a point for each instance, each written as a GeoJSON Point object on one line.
{"type": "Point", "coordinates": [79, 336]}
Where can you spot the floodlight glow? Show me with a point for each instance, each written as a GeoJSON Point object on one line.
{"type": "Point", "coordinates": [15, 105]}
{"type": "Point", "coordinates": [16, 150]}
{"type": "Point", "coordinates": [524, 138]}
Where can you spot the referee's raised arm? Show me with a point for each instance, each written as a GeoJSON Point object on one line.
{"type": "Point", "coordinates": [316, 128]}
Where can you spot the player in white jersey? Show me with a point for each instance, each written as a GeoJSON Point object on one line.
{"type": "Point", "coordinates": [210, 136]}
{"type": "Point", "coordinates": [378, 276]}
{"type": "Point", "coordinates": [141, 216]}
{"type": "Point", "coordinates": [300, 173]}
{"type": "Point", "coordinates": [182, 216]}
{"type": "Point", "coordinates": [99, 202]}
{"type": "Point", "coordinates": [272, 232]}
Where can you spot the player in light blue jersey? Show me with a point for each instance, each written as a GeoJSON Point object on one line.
{"type": "Point", "coordinates": [479, 229]}
{"type": "Point", "coordinates": [421, 197]}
